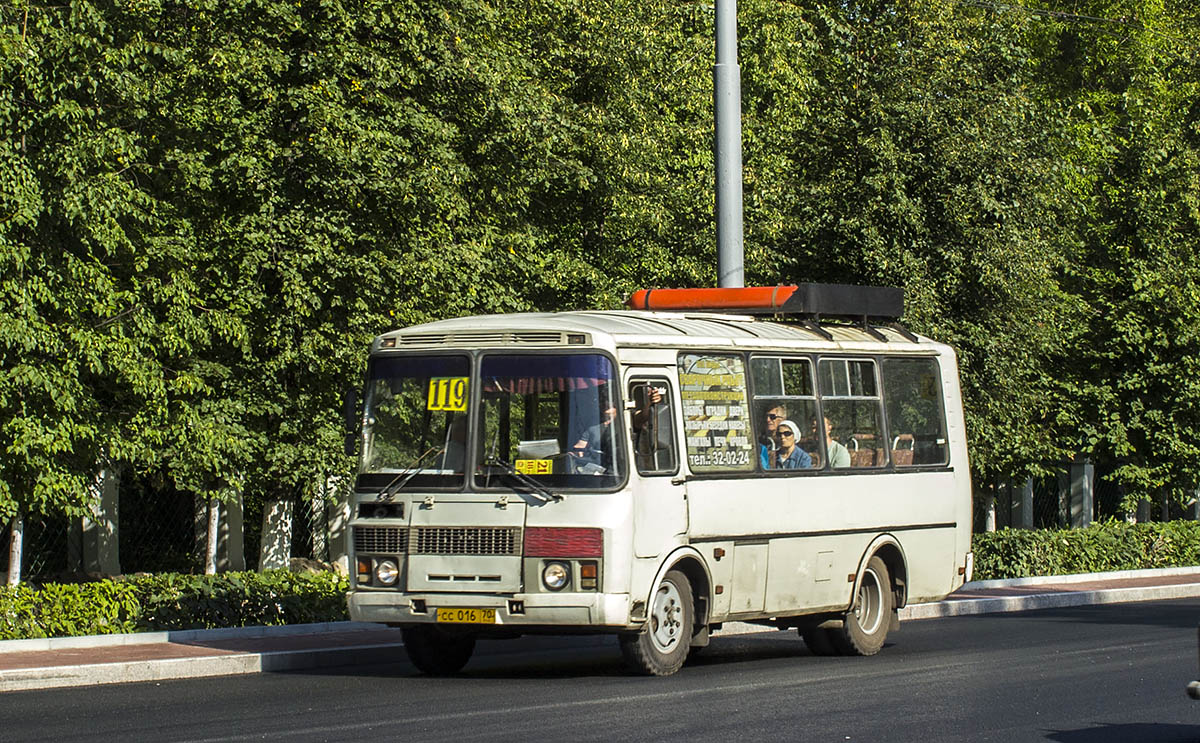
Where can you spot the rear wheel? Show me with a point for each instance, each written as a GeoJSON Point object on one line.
{"type": "Point", "coordinates": [865, 627]}
{"type": "Point", "coordinates": [436, 652]}
{"type": "Point", "coordinates": [662, 645]}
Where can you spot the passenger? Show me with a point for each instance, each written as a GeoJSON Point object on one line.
{"type": "Point", "coordinates": [789, 456]}
{"type": "Point", "coordinates": [641, 416]}
{"type": "Point", "coordinates": [839, 455]}
{"type": "Point", "coordinates": [767, 443]}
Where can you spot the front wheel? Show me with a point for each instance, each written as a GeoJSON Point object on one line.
{"type": "Point", "coordinates": [819, 640]}
{"type": "Point", "coordinates": [662, 645]}
{"type": "Point", "coordinates": [436, 652]}
{"type": "Point", "coordinates": [865, 627]}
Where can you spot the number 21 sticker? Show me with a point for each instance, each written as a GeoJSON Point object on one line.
{"type": "Point", "coordinates": [447, 393]}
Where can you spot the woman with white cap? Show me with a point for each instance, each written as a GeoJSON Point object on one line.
{"type": "Point", "coordinates": [789, 456]}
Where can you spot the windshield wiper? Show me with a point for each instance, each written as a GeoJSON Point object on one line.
{"type": "Point", "coordinates": [540, 491]}
{"type": "Point", "coordinates": [399, 481]}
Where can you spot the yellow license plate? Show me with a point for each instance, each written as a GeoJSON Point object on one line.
{"type": "Point", "coordinates": [467, 616]}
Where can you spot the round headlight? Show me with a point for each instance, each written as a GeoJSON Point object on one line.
{"type": "Point", "coordinates": [386, 572]}
{"type": "Point", "coordinates": [556, 576]}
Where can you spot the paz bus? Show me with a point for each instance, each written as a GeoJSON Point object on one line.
{"type": "Point", "coordinates": [631, 472]}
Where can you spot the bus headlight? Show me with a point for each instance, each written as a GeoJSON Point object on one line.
{"type": "Point", "coordinates": [386, 572]}
{"type": "Point", "coordinates": [555, 576]}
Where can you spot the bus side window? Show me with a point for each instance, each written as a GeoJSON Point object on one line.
{"type": "Point", "coordinates": [853, 414]}
{"type": "Point", "coordinates": [913, 402]}
{"type": "Point", "coordinates": [652, 423]}
{"type": "Point", "coordinates": [783, 391]}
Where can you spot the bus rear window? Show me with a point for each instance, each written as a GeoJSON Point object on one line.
{"type": "Point", "coordinates": [916, 423]}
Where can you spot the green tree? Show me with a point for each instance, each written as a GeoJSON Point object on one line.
{"type": "Point", "coordinates": [1126, 71]}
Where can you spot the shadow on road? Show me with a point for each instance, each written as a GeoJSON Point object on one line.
{"type": "Point", "coordinates": [1138, 732]}
{"type": "Point", "coordinates": [581, 657]}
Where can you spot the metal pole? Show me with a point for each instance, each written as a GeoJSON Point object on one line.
{"type": "Point", "coordinates": [727, 102]}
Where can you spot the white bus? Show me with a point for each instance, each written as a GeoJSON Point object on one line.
{"type": "Point", "coordinates": [630, 472]}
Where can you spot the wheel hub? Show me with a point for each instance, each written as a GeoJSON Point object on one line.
{"type": "Point", "coordinates": [666, 625]}
{"type": "Point", "coordinates": [868, 609]}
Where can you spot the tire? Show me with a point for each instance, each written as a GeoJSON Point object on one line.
{"type": "Point", "coordinates": [436, 652]}
{"type": "Point", "coordinates": [866, 625]}
{"type": "Point", "coordinates": [663, 644]}
{"type": "Point", "coordinates": [819, 641]}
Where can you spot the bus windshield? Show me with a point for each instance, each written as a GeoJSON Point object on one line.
{"type": "Point", "coordinates": [553, 418]}
{"type": "Point", "coordinates": [415, 421]}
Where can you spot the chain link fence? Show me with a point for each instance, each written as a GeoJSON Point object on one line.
{"type": "Point", "coordinates": [310, 533]}
{"type": "Point", "coordinates": [157, 525]}
{"type": "Point", "coordinates": [160, 529]}
{"type": "Point", "coordinates": [45, 548]}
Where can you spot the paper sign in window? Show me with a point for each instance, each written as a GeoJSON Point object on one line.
{"type": "Point", "coordinates": [534, 466]}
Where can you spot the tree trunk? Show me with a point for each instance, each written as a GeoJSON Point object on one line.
{"type": "Point", "coordinates": [15, 544]}
{"type": "Point", "coordinates": [989, 510]}
{"type": "Point", "coordinates": [214, 528]}
{"type": "Point", "coordinates": [275, 549]}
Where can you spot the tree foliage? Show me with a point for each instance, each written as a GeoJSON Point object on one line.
{"type": "Point", "coordinates": [207, 208]}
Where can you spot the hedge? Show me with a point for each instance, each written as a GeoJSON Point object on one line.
{"type": "Point", "coordinates": [145, 603]}
{"type": "Point", "coordinates": [1101, 547]}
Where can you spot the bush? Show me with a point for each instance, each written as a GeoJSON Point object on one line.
{"type": "Point", "coordinates": [146, 603]}
{"type": "Point", "coordinates": [67, 610]}
{"type": "Point", "coordinates": [175, 601]}
{"type": "Point", "coordinates": [1103, 546]}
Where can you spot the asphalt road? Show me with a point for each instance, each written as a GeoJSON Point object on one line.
{"type": "Point", "coordinates": [1094, 674]}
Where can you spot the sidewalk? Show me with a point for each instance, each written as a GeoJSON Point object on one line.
{"type": "Point", "coordinates": [155, 656]}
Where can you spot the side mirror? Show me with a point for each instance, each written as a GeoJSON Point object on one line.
{"type": "Point", "coordinates": [350, 414]}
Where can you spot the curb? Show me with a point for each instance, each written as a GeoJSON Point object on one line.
{"type": "Point", "coordinates": [27, 679]}
{"type": "Point", "coordinates": [1058, 600]}
{"type": "Point", "coordinates": [189, 635]}
{"type": "Point", "coordinates": [1041, 580]}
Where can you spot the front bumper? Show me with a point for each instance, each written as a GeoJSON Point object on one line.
{"type": "Point", "coordinates": [568, 611]}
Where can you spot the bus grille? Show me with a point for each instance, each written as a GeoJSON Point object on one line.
{"type": "Point", "coordinates": [466, 540]}
{"type": "Point", "coordinates": [389, 539]}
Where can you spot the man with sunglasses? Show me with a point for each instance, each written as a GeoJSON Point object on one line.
{"type": "Point", "coordinates": [767, 442]}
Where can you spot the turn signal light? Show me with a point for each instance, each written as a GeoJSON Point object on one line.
{"type": "Point", "coordinates": [588, 574]}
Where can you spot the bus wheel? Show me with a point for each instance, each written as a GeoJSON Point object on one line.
{"type": "Point", "coordinates": [819, 640]}
{"type": "Point", "coordinates": [866, 624]}
{"type": "Point", "coordinates": [662, 645]}
{"type": "Point", "coordinates": [436, 652]}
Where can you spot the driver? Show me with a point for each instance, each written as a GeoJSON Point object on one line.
{"type": "Point", "coordinates": [596, 443]}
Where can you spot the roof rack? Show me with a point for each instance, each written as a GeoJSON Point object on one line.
{"type": "Point", "coordinates": [806, 303]}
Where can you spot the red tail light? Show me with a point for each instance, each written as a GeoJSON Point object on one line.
{"type": "Point", "coordinates": [571, 541]}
